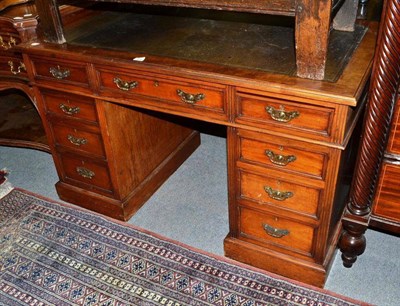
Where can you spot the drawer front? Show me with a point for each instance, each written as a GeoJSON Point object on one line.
{"type": "Point", "coordinates": [12, 66]}
{"type": "Point", "coordinates": [387, 198]}
{"type": "Point", "coordinates": [394, 138]}
{"type": "Point", "coordinates": [77, 169]}
{"type": "Point", "coordinates": [70, 105]}
{"type": "Point", "coordinates": [266, 111]}
{"type": "Point", "coordinates": [78, 139]}
{"type": "Point", "coordinates": [59, 71]}
{"type": "Point", "coordinates": [187, 94]}
{"type": "Point", "coordinates": [283, 154]}
{"type": "Point", "coordinates": [273, 192]}
{"type": "Point", "coordinates": [267, 229]}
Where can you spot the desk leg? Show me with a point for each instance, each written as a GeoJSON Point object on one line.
{"type": "Point", "coordinates": [382, 97]}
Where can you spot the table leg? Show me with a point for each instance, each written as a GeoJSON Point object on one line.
{"type": "Point", "coordinates": [50, 21]}
{"type": "Point", "coordinates": [312, 34]}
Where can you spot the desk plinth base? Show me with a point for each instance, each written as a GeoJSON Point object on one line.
{"type": "Point", "coordinates": [303, 271]}
{"type": "Point", "coordinates": [123, 209]}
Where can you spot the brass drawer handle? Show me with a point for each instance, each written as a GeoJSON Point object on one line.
{"type": "Point", "coordinates": [278, 159]}
{"type": "Point", "coordinates": [190, 98]}
{"type": "Point", "coordinates": [278, 195]}
{"type": "Point", "coordinates": [281, 115]}
{"type": "Point", "coordinates": [19, 69]}
{"type": "Point", "coordinates": [275, 232]}
{"type": "Point", "coordinates": [59, 73]}
{"type": "Point", "coordinates": [84, 172]}
{"type": "Point", "coordinates": [125, 85]}
{"type": "Point", "coordinates": [70, 110]}
{"type": "Point", "coordinates": [11, 43]}
{"type": "Point", "coordinates": [77, 141]}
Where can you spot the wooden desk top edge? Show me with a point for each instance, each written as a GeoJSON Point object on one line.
{"type": "Point", "coordinates": [346, 91]}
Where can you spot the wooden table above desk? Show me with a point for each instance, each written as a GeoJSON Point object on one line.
{"type": "Point", "coordinates": [312, 23]}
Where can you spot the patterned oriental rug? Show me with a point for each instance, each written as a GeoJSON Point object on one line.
{"type": "Point", "coordinates": [55, 254]}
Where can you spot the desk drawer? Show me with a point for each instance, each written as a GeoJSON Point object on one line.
{"type": "Point", "coordinates": [386, 203]}
{"type": "Point", "coordinates": [69, 105]}
{"type": "Point", "coordinates": [393, 145]}
{"type": "Point", "coordinates": [12, 66]}
{"type": "Point", "coordinates": [78, 139]}
{"type": "Point", "coordinates": [284, 115]}
{"type": "Point", "coordinates": [269, 191]}
{"type": "Point", "coordinates": [68, 73]}
{"type": "Point", "coordinates": [271, 230]}
{"type": "Point", "coordinates": [188, 94]}
{"type": "Point", "coordinates": [77, 170]}
{"type": "Point", "coordinates": [283, 154]}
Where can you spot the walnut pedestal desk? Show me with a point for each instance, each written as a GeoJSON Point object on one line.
{"type": "Point", "coordinates": [117, 97]}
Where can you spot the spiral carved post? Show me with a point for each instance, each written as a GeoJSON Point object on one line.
{"type": "Point", "coordinates": [382, 96]}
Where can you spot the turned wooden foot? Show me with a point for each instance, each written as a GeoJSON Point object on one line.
{"type": "Point", "coordinates": [352, 242]}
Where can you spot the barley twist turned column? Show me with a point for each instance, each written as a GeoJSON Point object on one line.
{"type": "Point", "coordinates": [382, 95]}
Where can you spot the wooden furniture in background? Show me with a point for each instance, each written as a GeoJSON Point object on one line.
{"type": "Point", "coordinates": [375, 197]}
{"type": "Point", "coordinates": [17, 24]}
{"type": "Point", "coordinates": [21, 124]}
{"type": "Point", "coordinates": [8, 3]}
{"type": "Point", "coordinates": [386, 203]}
{"type": "Point", "coordinates": [313, 21]}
